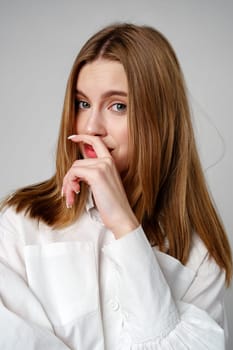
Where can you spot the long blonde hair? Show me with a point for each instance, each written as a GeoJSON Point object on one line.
{"type": "Point", "coordinates": [165, 182]}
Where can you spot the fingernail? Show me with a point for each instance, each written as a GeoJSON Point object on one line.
{"type": "Point", "coordinates": [77, 192]}
{"type": "Point", "coordinates": [68, 206]}
{"type": "Point", "coordinates": [71, 137]}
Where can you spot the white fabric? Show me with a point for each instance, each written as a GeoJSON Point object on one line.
{"type": "Point", "coordinates": [80, 289]}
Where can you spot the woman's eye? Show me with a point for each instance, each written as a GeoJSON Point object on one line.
{"type": "Point", "coordinates": [82, 104]}
{"type": "Point", "coordinates": [119, 107]}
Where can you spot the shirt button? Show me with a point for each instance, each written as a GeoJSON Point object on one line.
{"type": "Point", "coordinates": [115, 305]}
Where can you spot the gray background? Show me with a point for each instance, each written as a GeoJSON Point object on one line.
{"type": "Point", "coordinates": [40, 39]}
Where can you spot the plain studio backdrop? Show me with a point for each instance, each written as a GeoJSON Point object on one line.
{"type": "Point", "coordinates": [38, 43]}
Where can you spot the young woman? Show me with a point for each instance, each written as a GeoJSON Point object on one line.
{"type": "Point", "coordinates": [122, 248]}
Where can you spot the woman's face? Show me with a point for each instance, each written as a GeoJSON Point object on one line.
{"type": "Point", "coordinates": [102, 97]}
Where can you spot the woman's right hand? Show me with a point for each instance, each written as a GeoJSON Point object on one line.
{"type": "Point", "coordinates": [101, 175]}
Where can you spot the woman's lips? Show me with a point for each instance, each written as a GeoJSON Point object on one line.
{"type": "Point", "coordinates": [89, 151]}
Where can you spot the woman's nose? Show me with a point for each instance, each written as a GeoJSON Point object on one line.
{"type": "Point", "coordinates": [95, 125]}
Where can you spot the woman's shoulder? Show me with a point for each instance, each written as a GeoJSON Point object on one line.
{"type": "Point", "coordinates": [199, 261]}
{"type": "Point", "coordinates": [14, 225]}
{"type": "Point", "coordinates": [10, 215]}
{"type": "Point", "coordinates": [9, 218]}
{"type": "Point", "coordinates": [199, 257]}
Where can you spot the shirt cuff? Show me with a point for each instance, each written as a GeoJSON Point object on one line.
{"type": "Point", "coordinates": [143, 292]}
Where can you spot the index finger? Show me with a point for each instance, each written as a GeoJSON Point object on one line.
{"type": "Point", "coordinates": [98, 145]}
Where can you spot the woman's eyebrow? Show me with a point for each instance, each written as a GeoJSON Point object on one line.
{"type": "Point", "coordinates": [79, 92]}
{"type": "Point", "coordinates": [106, 94]}
{"type": "Point", "coordinates": [114, 92]}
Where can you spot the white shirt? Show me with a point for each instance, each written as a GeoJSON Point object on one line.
{"type": "Point", "coordinates": [79, 288]}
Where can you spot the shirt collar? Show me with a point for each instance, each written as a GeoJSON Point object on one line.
{"type": "Point", "coordinates": [90, 202]}
{"type": "Point", "coordinates": [91, 209]}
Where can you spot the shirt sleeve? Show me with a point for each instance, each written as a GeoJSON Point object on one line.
{"type": "Point", "coordinates": [152, 318]}
{"type": "Point", "coordinates": [23, 321]}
